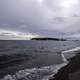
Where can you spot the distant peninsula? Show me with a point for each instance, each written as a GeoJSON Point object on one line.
{"type": "Point", "coordinates": [45, 38]}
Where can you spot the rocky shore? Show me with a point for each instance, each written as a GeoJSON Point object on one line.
{"type": "Point", "coordinates": [70, 71]}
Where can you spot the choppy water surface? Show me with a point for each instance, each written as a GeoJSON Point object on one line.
{"type": "Point", "coordinates": [32, 60]}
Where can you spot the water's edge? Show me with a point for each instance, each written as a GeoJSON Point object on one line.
{"type": "Point", "coordinates": [43, 73]}
{"type": "Point", "coordinates": [72, 69]}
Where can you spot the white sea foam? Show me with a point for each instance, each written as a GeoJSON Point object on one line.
{"type": "Point", "coordinates": [43, 73]}
{"type": "Point", "coordinates": [63, 58]}
{"type": "Point", "coordinates": [70, 53]}
{"type": "Point", "coordinates": [72, 50]}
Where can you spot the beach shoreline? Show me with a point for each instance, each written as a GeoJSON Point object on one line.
{"type": "Point", "coordinates": [69, 72]}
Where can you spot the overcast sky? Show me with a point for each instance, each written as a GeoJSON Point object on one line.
{"type": "Point", "coordinates": [40, 17]}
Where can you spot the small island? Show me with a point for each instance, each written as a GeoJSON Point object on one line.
{"type": "Point", "coordinates": [46, 38]}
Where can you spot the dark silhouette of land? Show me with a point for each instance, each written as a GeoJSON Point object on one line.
{"type": "Point", "coordinates": [45, 38]}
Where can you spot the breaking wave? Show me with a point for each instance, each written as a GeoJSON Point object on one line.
{"type": "Point", "coordinates": [43, 73]}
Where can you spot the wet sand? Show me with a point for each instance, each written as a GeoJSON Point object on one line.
{"type": "Point", "coordinates": [70, 71]}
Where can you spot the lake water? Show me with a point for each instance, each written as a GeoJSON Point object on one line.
{"type": "Point", "coordinates": [32, 60]}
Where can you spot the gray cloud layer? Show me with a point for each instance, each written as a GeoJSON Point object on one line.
{"type": "Point", "coordinates": [44, 17]}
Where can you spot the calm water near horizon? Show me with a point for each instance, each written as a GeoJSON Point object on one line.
{"type": "Point", "coordinates": [38, 58]}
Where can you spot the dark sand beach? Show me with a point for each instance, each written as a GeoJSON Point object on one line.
{"type": "Point", "coordinates": [70, 71]}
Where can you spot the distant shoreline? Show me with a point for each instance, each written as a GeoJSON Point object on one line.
{"type": "Point", "coordinates": [46, 38]}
